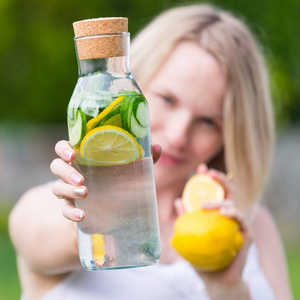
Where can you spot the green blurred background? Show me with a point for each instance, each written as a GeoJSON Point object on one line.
{"type": "Point", "coordinates": [39, 71]}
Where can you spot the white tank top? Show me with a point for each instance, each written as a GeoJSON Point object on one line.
{"type": "Point", "coordinates": [160, 282]}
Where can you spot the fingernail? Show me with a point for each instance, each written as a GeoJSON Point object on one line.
{"type": "Point", "coordinates": [79, 192]}
{"type": "Point", "coordinates": [75, 178]}
{"type": "Point", "coordinates": [224, 210]}
{"type": "Point", "coordinates": [213, 172]}
{"type": "Point", "coordinates": [68, 153]}
{"type": "Point", "coordinates": [202, 168]}
{"type": "Point", "coordinates": [78, 215]}
{"type": "Point", "coordinates": [177, 203]}
{"type": "Point", "coordinates": [178, 206]}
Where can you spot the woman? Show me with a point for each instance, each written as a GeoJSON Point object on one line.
{"type": "Point", "coordinates": [207, 88]}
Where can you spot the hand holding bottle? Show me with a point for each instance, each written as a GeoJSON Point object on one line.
{"type": "Point", "coordinates": [71, 186]}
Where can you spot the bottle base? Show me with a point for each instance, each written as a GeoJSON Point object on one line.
{"type": "Point", "coordinates": [92, 265]}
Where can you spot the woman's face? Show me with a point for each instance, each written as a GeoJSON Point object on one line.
{"type": "Point", "coordinates": [186, 109]}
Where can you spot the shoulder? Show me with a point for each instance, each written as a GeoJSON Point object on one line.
{"type": "Point", "coordinates": [32, 207]}
{"type": "Point", "coordinates": [39, 191]}
{"type": "Point", "coordinates": [34, 219]}
{"type": "Point", "coordinates": [45, 242]}
{"type": "Point", "coordinates": [31, 211]}
{"type": "Point", "coordinates": [266, 235]}
{"type": "Point", "coordinates": [263, 224]}
{"type": "Point", "coordinates": [271, 252]}
{"type": "Point", "coordinates": [36, 199]}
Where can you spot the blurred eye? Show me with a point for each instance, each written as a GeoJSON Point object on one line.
{"type": "Point", "coordinates": [207, 121]}
{"type": "Point", "coordinates": [167, 99]}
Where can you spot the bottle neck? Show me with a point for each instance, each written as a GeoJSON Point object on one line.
{"type": "Point", "coordinates": [119, 66]}
{"type": "Point", "coordinates": [103, 53]}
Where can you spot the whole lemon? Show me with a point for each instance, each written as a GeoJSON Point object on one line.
{"type": "Point", "coordinates": [207, 239]}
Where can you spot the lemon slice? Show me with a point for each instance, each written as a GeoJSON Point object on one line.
{"type": "Point", "coordinates": [105, 114]}
{"type": "Point", "coordinates": [98, 248]}
{"type": "Point", "coordinates": [201, 188]}
{"type": "Point", "coordinates": [110, 145]}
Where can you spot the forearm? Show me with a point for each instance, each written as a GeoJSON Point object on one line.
{"type": "Point", "coordinates": [236, 291]}
{"type": "Point", "coordinates": [42, 237]}
{"type": "Point", "coordinates": [48, 255]}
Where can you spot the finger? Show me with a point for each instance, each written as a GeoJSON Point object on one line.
{"type": "Point", "coordinates": [66, 172]}
{"type": "Point", "coordinates": [217, 204]}
{"type": "Point", "coordinates": [71, 213]}
{"type": "Point", "coordinates": [202, 169]}
{"type": "Point", "coordinates": [228, 185]}
{"type": "Point", "coordinates": [63, 190]}
{"type": "Point", "coordinates": [236, 215]}
{"type": "Point", "coordinates": [233, 213]}
{"type": "Point", "coordinates": [156, 152]}
{"type": "Point", "coordinates": [228, 209]}
{"type": "Point", "coordinates": [179, 208]}
{"type": "Point", "coordinates": [64, 150]}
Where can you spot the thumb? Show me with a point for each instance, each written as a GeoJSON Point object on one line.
{"type": "Point", "coordinates": [179, 207]}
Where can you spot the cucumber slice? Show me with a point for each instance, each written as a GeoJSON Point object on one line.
{"type": "Point", "coordinates": [129, 114]}
{"type": "Point", "coordinates": [128, 93]}
{"type": "Point", "coordinates": [74, 104]}
{"type": "Point", "coordinates": [134, 115]}
{"type": "Point", "coordinates": [137, 130]}
{"type": "Point", "coordinates": [78, 130]}
{"type": "Point", "coordinates": [140, 111]}
{"type": "Point", "coordinates": [126, 103]}
{"type": "Point", "coordinates": [71, 115]}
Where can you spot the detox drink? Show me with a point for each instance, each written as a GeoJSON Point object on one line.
{"type": "Point", "coordinates": [110, 136]}
{"type": "Point", "coordinates": [120, 224]}
{"type": "Point", "coordinates": [109, 129]}
{"type": "Point", "coordinates": [120, 229]}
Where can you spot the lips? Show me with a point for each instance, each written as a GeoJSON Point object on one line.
{"type": "Point", "coordinates": [170, 160]}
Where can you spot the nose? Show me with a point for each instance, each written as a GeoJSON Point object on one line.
{"type": "Point", "coordinates": [177, 128]}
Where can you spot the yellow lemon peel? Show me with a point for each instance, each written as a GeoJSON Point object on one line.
{"type": "Point", "coordinates": [95, 121]}
{"type": "Point", "coordinates": [207, 239]}
{"type": "Point", "coordinates": [110, 145]}
{"type": "Point", "coordinates": [98, 248]}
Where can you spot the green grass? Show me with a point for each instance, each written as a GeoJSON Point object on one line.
{"type": "Point", "coordinates": [9, 282]}
{"type": "Point", "coordinates": [293, 258]}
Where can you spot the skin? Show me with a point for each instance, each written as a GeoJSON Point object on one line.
{"type": "Point", "coordinates": [186, 111]}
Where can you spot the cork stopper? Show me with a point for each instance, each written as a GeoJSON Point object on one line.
{"type": "Point", "coordinates": [100, 26]}
{"type": "Point", "coordinates": [111, 43]}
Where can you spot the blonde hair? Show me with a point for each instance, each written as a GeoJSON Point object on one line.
{"type": "Point", "coordinates": [248, 117]}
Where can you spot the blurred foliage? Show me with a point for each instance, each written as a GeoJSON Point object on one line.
{"type": "Point", "coordinates": [38, 64]}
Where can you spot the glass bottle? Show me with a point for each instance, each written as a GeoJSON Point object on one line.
{"type": "Point", "coordinates": [108, 124]}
